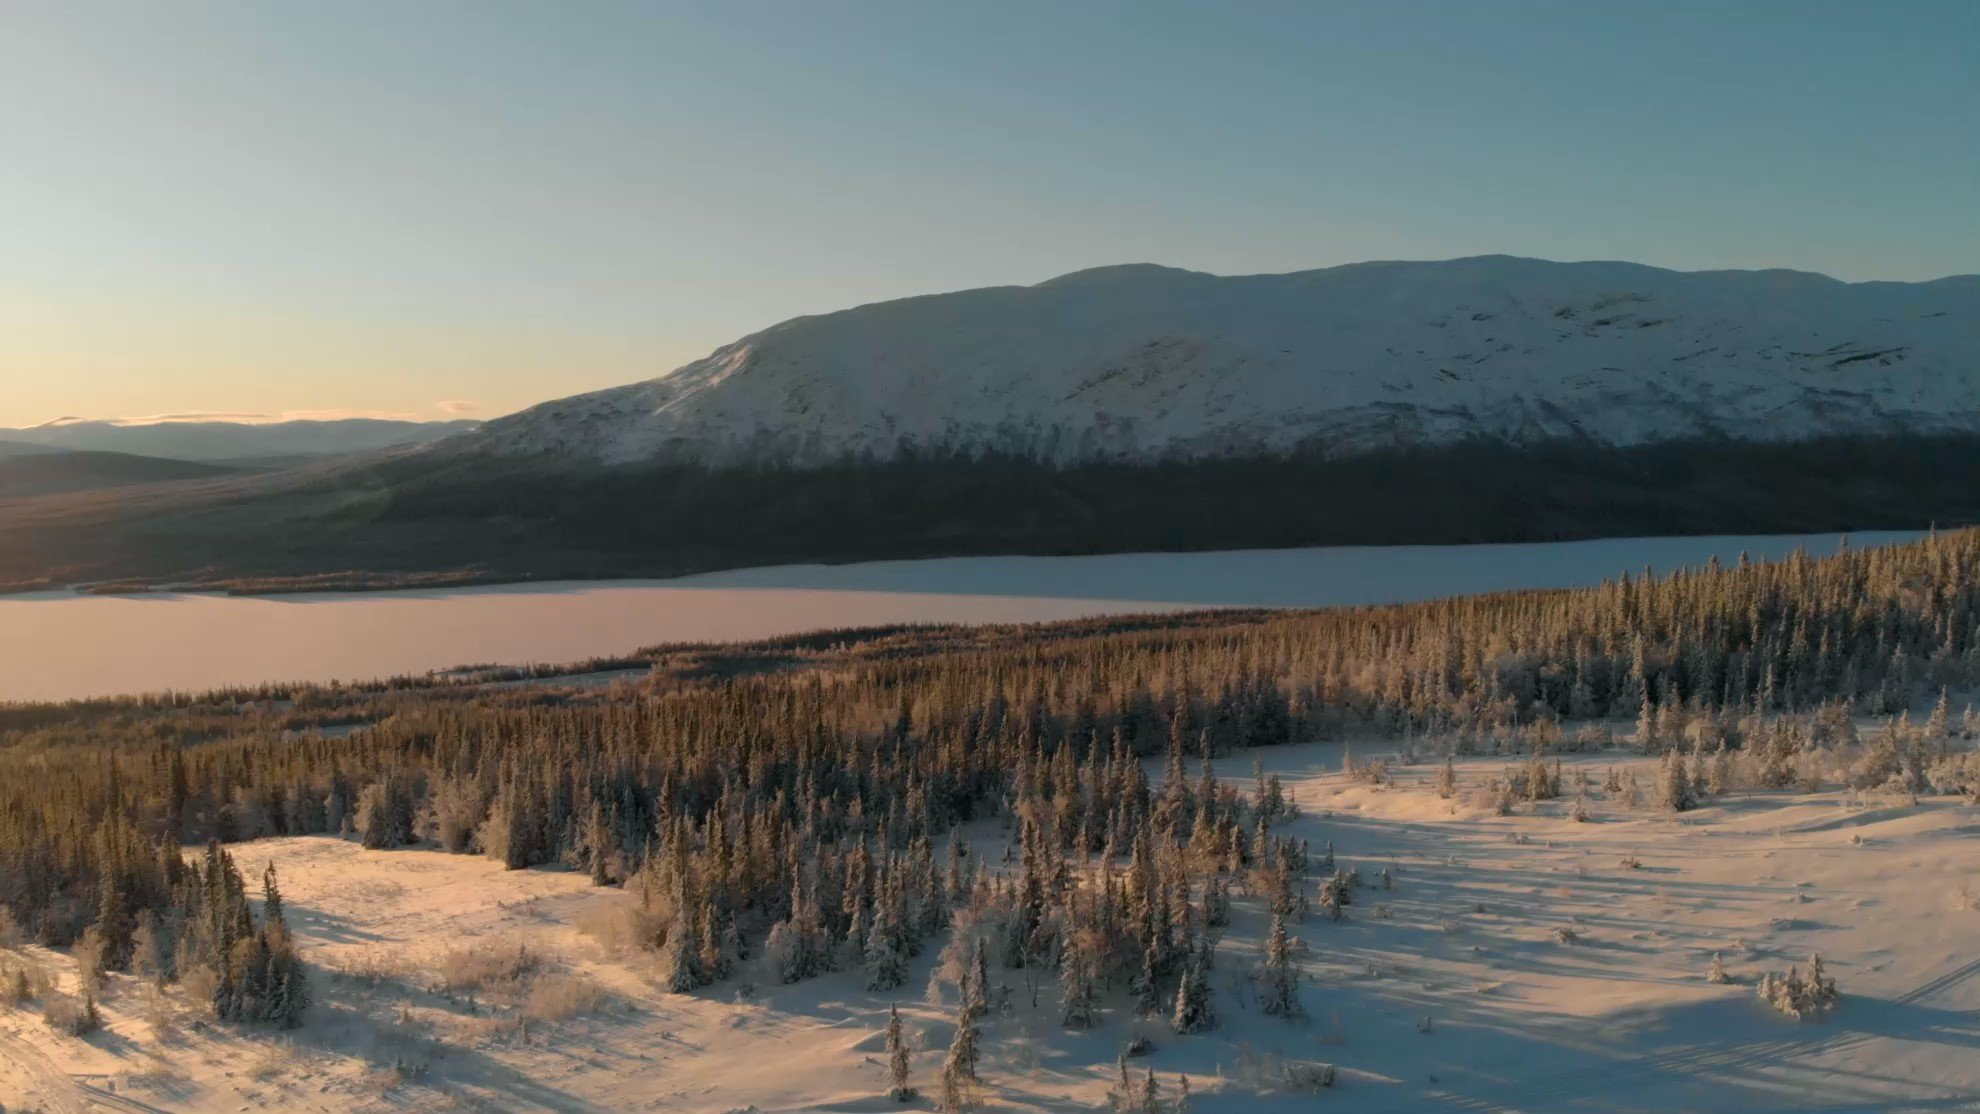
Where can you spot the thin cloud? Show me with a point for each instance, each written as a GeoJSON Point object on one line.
{"type": "Point", "coordinates": [241, 417]}
{"type": "Point", "coordinates": [342, 415]}
{"type": "Point", "coordinates": [457, 406]}
{"type": "Point", "coordinates": [167, 419]}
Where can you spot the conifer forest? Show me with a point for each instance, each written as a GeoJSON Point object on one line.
{"type": "Point", "coordinates": [1056, 822]}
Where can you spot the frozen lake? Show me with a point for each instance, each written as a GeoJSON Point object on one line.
{"type": "Point", "coordinates": [59, 645]}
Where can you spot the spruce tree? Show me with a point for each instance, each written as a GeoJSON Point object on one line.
{"type": "Point", "coordinates": [147, 952]}
{"type": "Point", "coordinates": [959, 1068]}
{"type": "Point", "coordinates": [886, 966]}
{"type": "Point", "coordinates": [1193, 1012]}
{"type": "Point", "coordinates": [680, 957]}
{"type": "Point", "coordinates": [977, 998]}
{"type": "Point", "coordinates": [1674, 787]}
{"type": "Point", "coordinates": [898, 1059]}
{"type": "Point", "coordinates": [1447, 785]}
{"type": "Point", "coordinates": [1080, 1004]}
{"type": "Point", "coordinates": [1279, 992]}
{"type": "Point", "coordinates": [1147, 984]}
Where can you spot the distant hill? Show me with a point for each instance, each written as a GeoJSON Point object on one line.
{"type": "Point", "coordinates": [233, 441]}
{"type": "Point", "coordinates": [1142, 363]}
{"type": "Point", "coordinates": [1140, 408]}
{"type": "Point", "coordinates": [50, 472]}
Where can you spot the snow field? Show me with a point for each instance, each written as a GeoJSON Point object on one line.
{"type": "Point", "coordinates": [1553, 974]}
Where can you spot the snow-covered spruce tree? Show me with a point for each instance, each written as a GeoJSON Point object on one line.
{"type": "Point", "coordinates": [1276, 806]}
{"type": "Point", "coordinates": [1700, 774]}
{"type": "Point", "coordinates": [1821, 987]}
{"type": "Point", "coordinates": [976, 994]}
{"type": "Point", "coordinates": [716, 959]}
{"type": "Point", "coordinates": [886, 966]}
{"type": "Point", "coordinates": [1216, 902]}
{"type": "Point", "coordinates": [1446, 785]}
{"type": "Point", "coordinates": [959, 1080]}
{"type": "Point", "coordinates": [1538, 781]}
{"type": "Point", "coordinates": [898, 1059]}
{"type": "Point", "coordinates": [1674, 784]}
{"type": "Point", "coordinates": [1506, 794]}
{"type": "Point", "coordinates": [1646, 726]}
{"type": "Point", "coordinates": [680, 955]}
{"type": "Point", "coordinates": [1278, 991]}
{"type": "Point", "coordinates": [1717, 973]}
{"type": "Point", "coordinates": [148, 958]}
{"type": "Point", "coordinates": [1938, 725]}
{"type": "Point", "coordinates": [1146, 985]}
{"type": "Point", "coordinates": [1193, 1012]}
{"type": "Point", "coordinates": [384, 814]}
{"type": "Point", "coordinates": [1121, 1096]}
{"type": "Point", "coordinates": [287, 995]}
{"type": "Point", "coordinates": [1078, 967]}
{"type": "Point", "coordinates": [601, 848]}
{"type": "Point", "coordinates": [781, 953]}
{"type": "Point", "coordinates": [1800, 997]}
{"type": "Point", "coordinates": [1334, 897]}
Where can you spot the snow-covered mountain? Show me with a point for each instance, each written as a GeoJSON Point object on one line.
{"type": "Point", "coordinates": [1141, 361]}
{"type": "Point", "coordinates": [207, 440]}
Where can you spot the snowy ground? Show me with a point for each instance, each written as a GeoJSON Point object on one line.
{"type": "Point", "coordinates": [1622, 1019]}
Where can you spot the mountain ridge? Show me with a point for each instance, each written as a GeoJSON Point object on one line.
{"type": "Point", "coordinates": [1142, 362]}
{"type": "Point", "coordinates": [59, 471]}
{"type": "Point", "coordinates": [213, 441]}
{"type": "Point", "coordinates": [1136, 408]}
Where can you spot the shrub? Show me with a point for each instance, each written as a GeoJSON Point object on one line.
{"type": "Point", "coordinates": [23, 982]}
{"type": "Point", "coordinates": [487, 967]}
{"type": "Point", "coordinates": [560, 997]}
{"type": "Point", "coordinates": [74, 1018]}
{"type": "Point", "coordinates": [1798, 996]}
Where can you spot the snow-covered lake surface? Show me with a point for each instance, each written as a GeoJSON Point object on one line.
{"type": "Point", "coordinates": [60, 645]}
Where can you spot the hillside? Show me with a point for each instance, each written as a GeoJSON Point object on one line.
{"type": "Point", "coordinates": [1140, 408]}
{"type": "Point", "coordinates": [11, 449]}
{"type": "Point", "coordinates": [56, 471]}
{"type": "Point", "coordinates": [230, 441]}
{"type": "Point", "coordinates": [1142, 362]}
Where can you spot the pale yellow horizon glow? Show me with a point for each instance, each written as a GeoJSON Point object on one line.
{"type": "Point", "coordinates": [158, 361]}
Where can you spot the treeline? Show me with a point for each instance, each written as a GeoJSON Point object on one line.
{"type": "Point", "coordinates": [798, 807]}
{"type": "Point", "coordinates": [403, 519]}
{"type": "Point", "coordinates": [931, 504]}
{"type": "Point", "coordinates": [169, 921]}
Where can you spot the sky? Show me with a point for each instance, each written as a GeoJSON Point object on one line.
{"type": "Point", "coordinates": [462, 208]}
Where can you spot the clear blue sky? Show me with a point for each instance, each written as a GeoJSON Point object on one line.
{"type": "Point", "coordinates": [279, 207]}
